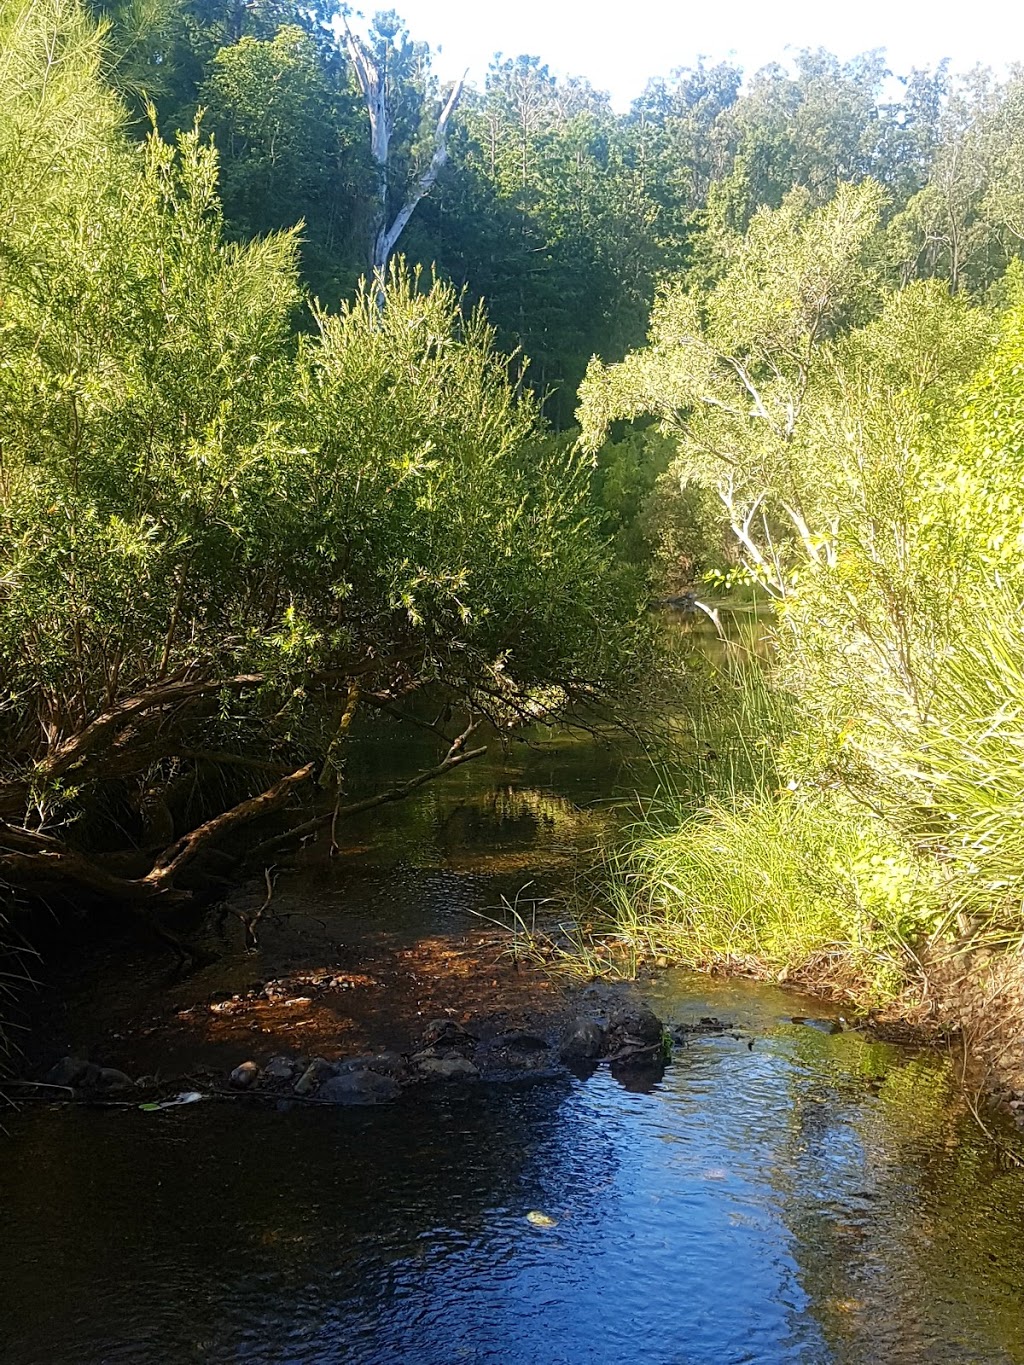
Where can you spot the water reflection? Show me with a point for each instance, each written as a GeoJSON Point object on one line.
{"type": "Point", "coordinates": [813, 1198]}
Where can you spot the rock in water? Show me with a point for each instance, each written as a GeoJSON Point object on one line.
{"type": "Point", "coordinates": [243, 1076]}
{"type": "Point", "coordinates": [317, 1071]}
{"type": "Point", "coordinates": [444, 1036]}
{"type": "Point", "coordinates": [582, 1041]}
{"type": "Point", "coordinates": [636, 1037]}
{"type": "Point", "coordinates": [446, 1068]}
{"type": "Point", "coordinates": [279, 1069]}
{"type": "Point", "coordinates": [391, 1064]}
{"type": "Point", "coordinates": [359, 1087]}
{"type": "Point", "coordinates": [638, 1023]}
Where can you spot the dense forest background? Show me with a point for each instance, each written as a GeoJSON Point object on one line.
{"type": "Point", "coordinates": [558, 211]}
{"type": "Point", "coordinates": [562, 214]}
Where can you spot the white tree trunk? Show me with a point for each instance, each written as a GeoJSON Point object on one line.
{"type": "Point", "coordinates": [372, 80]}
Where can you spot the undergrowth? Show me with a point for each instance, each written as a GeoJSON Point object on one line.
{"type": "Point", "coordinates": [782, 885]}
{"type": "Point", "coordinates": [734, 866]}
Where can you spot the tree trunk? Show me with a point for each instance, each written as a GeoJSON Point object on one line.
{"type": "Point", "coordinates": [384, 235]}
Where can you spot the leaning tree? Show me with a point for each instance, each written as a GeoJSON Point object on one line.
{"type": "Point", "coordinates": [223, 540]}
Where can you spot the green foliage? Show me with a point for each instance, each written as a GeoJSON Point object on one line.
{"type": "Point", "coordinates": [785, 886]}
{"type": "Point", "coordinates": [868, 453]}
{"type": "Point", "coordinates": [730, 373]}
{"type": "Point", "coordinates": [192, 491]}
{"type": "Point", "coordinates": [563, 216]}
{"type": "Point", "coordinates": [291, 148]}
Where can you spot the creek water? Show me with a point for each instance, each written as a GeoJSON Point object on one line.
{"type": "Point", "coordinates": [783, 1193]}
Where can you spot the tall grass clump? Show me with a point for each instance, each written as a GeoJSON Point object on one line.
{"type": "Point", "coordinates": [971, 762]}
{"type": "Point", "coordinates": [788, 886]}
{"type": "Point", "coordinates": [736, 865]}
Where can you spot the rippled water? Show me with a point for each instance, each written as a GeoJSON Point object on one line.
{"type": "Point", "coordinates": [811, 1199]}
{"type": "Point", "coordinates": [781, 1194]}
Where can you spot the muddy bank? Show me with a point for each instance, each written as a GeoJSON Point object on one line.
{"type": "Point", "coordinates": [976, 1002]}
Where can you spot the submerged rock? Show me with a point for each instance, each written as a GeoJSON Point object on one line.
{"type": "Point", "coordinates": [514, 1054]}
{"type": "Point", "coordinates": [384, 1063]}
{"type": "Point", "coordinates": [359, 1087]}
{"type": "Point", "coordinates": [446, 1068]}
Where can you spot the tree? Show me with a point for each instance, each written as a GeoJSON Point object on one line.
{"type": "Point", "coordinates": [381, 64]}
{"type": "Point", "coordinates": [729, 373]}
{"type": "Point", "coordinates": [221, 543]}
{"type": "Point", "coordinates": [290, 145]}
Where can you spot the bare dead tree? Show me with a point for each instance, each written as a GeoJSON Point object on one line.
{"type": "Point", "coordinates": [372, 76]}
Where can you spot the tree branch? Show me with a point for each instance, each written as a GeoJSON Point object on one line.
{"type": "Point", "coordinates": [455, 757]}
{"type": "Point", "coordinates": [173, 859]}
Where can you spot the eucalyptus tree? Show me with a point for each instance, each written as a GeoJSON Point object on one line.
{"type": "Point", "coordinates": [824, 410]}
{"type": "Point", "coordinates": [965, 222]}
{"type": "Point", "coordinates": [394, 77]}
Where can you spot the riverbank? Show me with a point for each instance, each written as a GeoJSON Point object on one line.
{"type": "Point", "coordinates": [432, 913]}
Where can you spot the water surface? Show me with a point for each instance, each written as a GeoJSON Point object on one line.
{"type": "Point", "coordinates": [782, 1193]}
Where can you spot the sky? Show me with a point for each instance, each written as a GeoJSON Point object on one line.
{"type": "Point", "coordinates": [618, 46]}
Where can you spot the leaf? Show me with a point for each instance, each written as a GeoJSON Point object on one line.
{"type": "Point", "coordinates": [541, 1220]}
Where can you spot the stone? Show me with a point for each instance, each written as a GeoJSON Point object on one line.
{"type": "Point", "coordinates": [70, 1071]}
{"type": "Point", "coordinates": [445, 1034]}
{"type": "Point", "coordinates": [638, 1023]}
{"type": "Point", "coordinates": [112, 1081]}
{"type": "Point", "coordinates": [582, 1041]}
{"type": "Point", "coordinates": [385, 1063]}
{"type": "Point", "coordinates": [318, 1070]}
{"type": "Point", "coordinates": [243, 1076]}
{"type": "Point", "coordinates": [359, 1087]}
{"type": "Point", "coordinates": [279, 1069]}
{"type": "Point", "coordinates": [520, 1040]}
{"type": "Point", "coordinates": [446, 1068]}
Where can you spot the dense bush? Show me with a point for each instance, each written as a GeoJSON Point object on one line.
{"type": "Point", "coordinates": [865, 442]}
{"type": "Point", "coordinates": [221, 533]}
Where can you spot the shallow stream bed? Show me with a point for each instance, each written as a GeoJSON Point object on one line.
{"type": "Point", "coordinates": [782, 1193]}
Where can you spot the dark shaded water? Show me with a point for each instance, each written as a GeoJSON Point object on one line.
{"type": "Point", "coordinates": [810, 1198]}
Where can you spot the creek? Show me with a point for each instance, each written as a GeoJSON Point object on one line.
{"type": "Point", "coordinates": [786, 1191]}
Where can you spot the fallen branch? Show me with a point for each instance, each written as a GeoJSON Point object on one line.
{"type": "Point", "coordinates": [173, 859]}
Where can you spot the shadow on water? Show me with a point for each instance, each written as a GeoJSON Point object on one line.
{"type": "Point", "coordinates": [783, 1193]}
{"type": "Point", "coordinates": [813, 1198]}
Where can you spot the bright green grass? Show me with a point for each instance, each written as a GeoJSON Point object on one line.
{"type": "Point", "coordinates": [788, 886]}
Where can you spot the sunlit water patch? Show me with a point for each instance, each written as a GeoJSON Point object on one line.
{"type": "Point", "coordinates": [810, 1198]}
